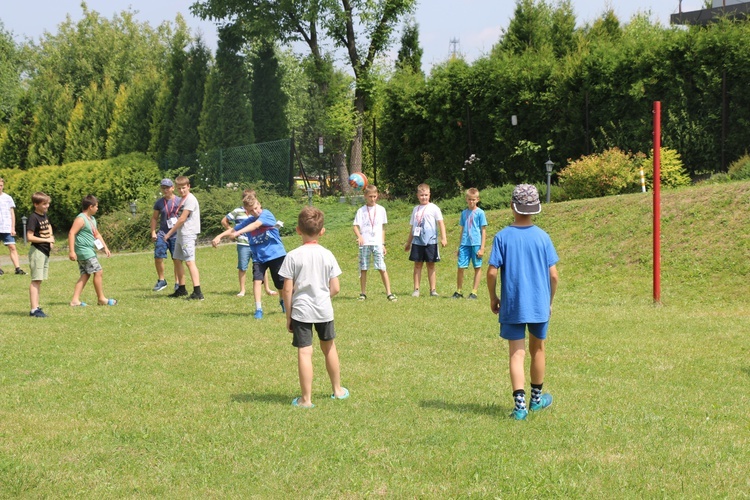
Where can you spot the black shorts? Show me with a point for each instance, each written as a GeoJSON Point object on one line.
{"type": "Point", "coordinates": [259, 271]}
{"type": "Point", "coordinates": [424, 253]}
{"type": "Point", "coordinates": [302, 332]}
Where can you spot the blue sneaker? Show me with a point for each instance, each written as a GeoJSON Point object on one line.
{"type": "Point", "coordinates": [544, 402]}
{"type": "Point", "coordinates": [160, 285]}
{"type": "Point", "coordinates": [519, 414]}
{"type": "Point", "coordinates": [283, 309]}
{"type": "Point", "coordinates": [258, 314]}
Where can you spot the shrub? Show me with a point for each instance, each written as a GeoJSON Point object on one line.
{"type": "Point", "coordinates": [601, 174]}
{"type": "Point", "coordinates": [115, 182]}
{"type": "Point", "coordinates": [672, 171]}
{"type": "Point", "coordinates": [740, 168]}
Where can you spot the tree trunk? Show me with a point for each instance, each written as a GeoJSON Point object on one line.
{"type": "Point", "coordinates": [339, 161]}
{"type": "Point", "coordinates": [357, 144]}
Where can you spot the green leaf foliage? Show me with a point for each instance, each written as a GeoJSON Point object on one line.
{"type": "Point", "coordinates": [115, 182]}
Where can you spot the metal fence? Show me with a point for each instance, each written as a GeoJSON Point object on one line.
{"type": "Point", "coordinates": [269, 162]}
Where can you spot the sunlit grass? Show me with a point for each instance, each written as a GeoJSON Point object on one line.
{"type": "Point", "coordinates": [163, 397]}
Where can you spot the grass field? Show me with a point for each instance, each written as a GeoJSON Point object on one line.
{"type": "Point", "coordinates": [170, 398]}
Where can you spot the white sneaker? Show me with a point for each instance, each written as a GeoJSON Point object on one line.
{"type": "Point", "coordinates": [415, 293]}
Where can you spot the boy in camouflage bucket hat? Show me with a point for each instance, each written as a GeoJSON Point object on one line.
{"type": "Point", "coordinates": [527, 260]}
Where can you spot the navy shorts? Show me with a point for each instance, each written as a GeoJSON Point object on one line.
{"type": "Point", "coordinates": [259, 271]}
{"type": "Point", "coordinates": [424, 253]}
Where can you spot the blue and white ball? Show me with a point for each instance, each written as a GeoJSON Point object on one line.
{"type": "Point", "coordinates": [358, 181]}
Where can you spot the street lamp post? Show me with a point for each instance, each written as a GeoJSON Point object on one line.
{"type": "Point", "coordinates": [548, 165]}
{"type": "Point", "coordinates": [24, 220]}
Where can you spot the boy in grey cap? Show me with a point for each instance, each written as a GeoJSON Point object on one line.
{"type": "Point", "coordinates": [527, 260]}
{"type": "Point", "coordinates": [164, 217]}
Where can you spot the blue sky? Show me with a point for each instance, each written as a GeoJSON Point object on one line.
{"type": "Point", "coordinates": [477, 24]}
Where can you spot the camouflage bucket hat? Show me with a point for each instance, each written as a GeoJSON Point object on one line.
{"type": "Point", "coordinates": [525, 200]}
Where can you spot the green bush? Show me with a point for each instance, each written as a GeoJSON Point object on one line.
{"type": "Point", "coordinates": [115, 182]}
{"type": "Point", "coordinates": [740, 168]}
{"type": "Point", "coordinates": [671, 170]}
{"type": "Point", "coordinates": [601, 174]}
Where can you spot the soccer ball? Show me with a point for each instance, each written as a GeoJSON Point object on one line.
{"type": "Point", "coordinates": [358, 181]}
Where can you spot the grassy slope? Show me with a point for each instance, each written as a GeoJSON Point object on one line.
{"type": "Point", "coordinates": [181, 399]}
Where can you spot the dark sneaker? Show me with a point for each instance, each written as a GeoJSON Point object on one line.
{"type": "Point", "coordinates": [160, 285]}
{"type": "Point", "coordinates": [544, 402]}
{"type": "Point", "coordinates": [362, 296]}
{"type": "Point", "coordinates": [178, 293]}
{"type": "Point", "coordinates": [2, 272]}
{"type": "Point", "coordinates": [473, 296]}
{"type": "Point", "coordinates": [20, 271]}
{"type": "Point", "coordinates": [457, 295]}
{"type": "Point", "coordinates": [196, 296]}
{"type": "Point", "coordinates": [37, 313]}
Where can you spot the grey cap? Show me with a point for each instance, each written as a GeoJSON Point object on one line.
{"type": "Point", "coordinates": [167, 182]}
{"type": "Point", "coordinates": [525, 199]}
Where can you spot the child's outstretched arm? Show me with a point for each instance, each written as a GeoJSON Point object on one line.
{"type": "Point", "coordinates": [74, 229]}
{"type": "Point", "coordinates": [252, 226]}
{"type": "Point", "coordinates": [215, 242]}
{"type": "Point", "coordinates": [492, 289]}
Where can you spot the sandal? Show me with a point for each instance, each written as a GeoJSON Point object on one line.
{"type": "Point", "coordinates": [80, 304]}
{"type": "Point", "coordinates": [362, 296]}
{"type": "Point", "coordinates": [110, 302]}
{"type": "Point", "coordinates": [392, 297]}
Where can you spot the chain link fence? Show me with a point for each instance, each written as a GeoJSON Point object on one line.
{"type": "Point", "coordinates": [268, 162]}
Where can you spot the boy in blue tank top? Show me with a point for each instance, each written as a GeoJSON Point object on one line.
{"type": "Point", "coordinates": [527, 260]}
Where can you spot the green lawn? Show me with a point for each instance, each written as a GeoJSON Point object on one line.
{"type": "Point", "coordinates": [171, 398]}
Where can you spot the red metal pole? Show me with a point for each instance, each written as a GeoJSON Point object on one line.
{"type": "Point", "coordinates": [657, 202]}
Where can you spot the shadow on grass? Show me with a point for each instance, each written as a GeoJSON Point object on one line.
{"type": "Point", "coordinates": [490, 409]}
{"type": "Point", "coordinates": [283, 399]}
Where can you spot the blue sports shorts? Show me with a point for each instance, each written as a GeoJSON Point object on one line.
{"type": "Point", "coordinates": [468, 255]}
{"type": "Point", "coordinates": [517, 331]}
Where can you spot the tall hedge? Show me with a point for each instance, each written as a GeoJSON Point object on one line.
{"type": "Point", "coordinates": [115, 182]}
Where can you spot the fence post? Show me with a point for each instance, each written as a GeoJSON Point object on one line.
{"type": "Point", "coordinates": [221, 166]}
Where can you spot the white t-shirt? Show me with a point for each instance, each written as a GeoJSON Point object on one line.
{"type": "Point", "coordinates": [425, 217]}
{"type": "Point", "coordinates": [6, 204]}
{"type": "Point", "coordinates": [370, 221]}
{"type": "Point", "coordinates": [311, 267]}
{"type": "Point", "coordinates": [192, 226]}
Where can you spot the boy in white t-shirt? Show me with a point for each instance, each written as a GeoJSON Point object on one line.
{"type": "Point", "coordinates": [187, 227]}
{"type": "Point", "coordinates": [368, 226]}
{"type": "Point", "coordinates": [8, 226]}
{"type": "Point", "coordinates": [311, 279]}
{"type": "Point", "coordinates": [426, 219]}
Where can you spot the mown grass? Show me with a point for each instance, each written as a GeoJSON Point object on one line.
{"type": "Point", "coordinates": [157, 397]}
